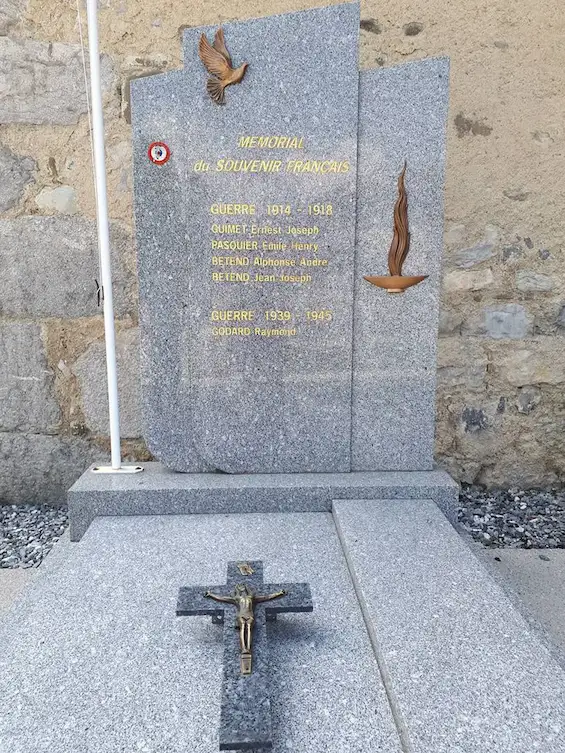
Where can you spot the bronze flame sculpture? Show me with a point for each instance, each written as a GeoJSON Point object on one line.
{"type": "Point", "coordinates": [396, 282]}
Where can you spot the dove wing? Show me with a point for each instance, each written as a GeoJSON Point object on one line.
{"type": "Point", "coordinates": [220, 45]}
{"type": "Point", "coordinates": [214, 61]}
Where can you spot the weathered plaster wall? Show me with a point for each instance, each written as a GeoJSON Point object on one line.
{"type": "Point", "coordinates": [501, 405]}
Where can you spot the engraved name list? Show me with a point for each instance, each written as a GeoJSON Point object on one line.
{"type": "Point", "coordinates": [270, 243]}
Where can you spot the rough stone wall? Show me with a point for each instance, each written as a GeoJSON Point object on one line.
{"type": "Point", "coordinates": [501, 406]}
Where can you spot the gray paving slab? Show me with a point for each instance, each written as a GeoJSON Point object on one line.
{"type": "Point", "coordinates": [160, 491]}
{"type": "Point", "coordinates": [95, 659]}
{"type": "Point", "coordinates": [464, 671]}
{"type": "Point", "coordinates": [536, 578]}
{"type": "Point", "coordinates": [15, 582]}
{"type": "Point", "coordinates": [12, 584]}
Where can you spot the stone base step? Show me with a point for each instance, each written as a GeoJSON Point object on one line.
{"type": "Point", "coordinates": [160, 491]}
{"type": "Point", "coordinates": [463, 670]}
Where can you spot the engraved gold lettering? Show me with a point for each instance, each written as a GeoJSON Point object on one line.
{"type": "Point", "coordinates": [274, 332]}
{"type": "Point", "coordinates": [265, 230]}
{"type": "Point", "coordinates": [230, 276]}
{"type": "Point", "coordinates": [230, 261]}
{"type": "Point", "coordinates": [317, 166]}
{"type": "Point", "coordinates": [271, 142]}
{"type": "Point", "coordinates": [234, 245]}
{"type": "Point", "coordinates": [308, 230]}
{"type": "Point", "coordinates": [300, 246]}
{"type": "Point", "coordinates": [324, 315]}
{"type": "Point", "coordinates": [304, 262]}
{"type": "Point", "coordinates": [233, 209]}
{"type": "Point", "coordinates": [228, 229]}
{"type": "Point", "coordinates": [231, 315]}
{"type": "Point", "coordinates": [260, 261]}
{"type": "Point", "coordinates": [228, 165]}
{"type": "Point", "coordinates": [302, 279]}
{"type": "Point", "coordinates": [273, 245]}
{"type": "Point", "coordinates": [231, 331]}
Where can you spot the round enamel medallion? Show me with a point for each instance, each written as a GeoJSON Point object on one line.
{"type": "Point", "coordinates": [159, 153]}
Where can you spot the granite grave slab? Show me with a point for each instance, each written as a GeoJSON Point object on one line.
{"type": "Point", "coordinates": [466, 672]}
{"type": "Point", "coordinates": [245, 721]}
{"type": "Point", "coordinates": [95, 660]}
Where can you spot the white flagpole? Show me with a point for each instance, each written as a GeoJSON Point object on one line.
{"type": "Point", "coordinates": [104, 240]}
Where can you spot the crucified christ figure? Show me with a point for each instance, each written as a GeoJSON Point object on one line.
{"type": "Point", "coordinates": [244, 599]}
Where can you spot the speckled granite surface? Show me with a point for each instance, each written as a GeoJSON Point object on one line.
{"type": "Point", "coordinates": [160, 491]}
{"type": "Point", "coordinates": [249, 402]}
{"type": "Point", "coordinates": [466, 672]}
{"type": "Point", "coordinates": [94, 659]}
{"type": "Point", "coordinates": [245, 721]}
{"type": "Point", "coordinates": [402, 116]}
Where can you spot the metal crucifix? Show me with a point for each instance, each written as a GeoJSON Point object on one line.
{"type": "Point", "coordinates": [243, 606]}
{"type": "Point", "coordinates": [244, 599]}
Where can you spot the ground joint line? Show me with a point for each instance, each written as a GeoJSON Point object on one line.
{"type": "Point", "coordinates": [399, 722]}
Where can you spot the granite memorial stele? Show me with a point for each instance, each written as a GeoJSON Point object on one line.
{"type": "Point", "coordinates": [266, 193]}
{"type": "Point", "coordinates": [289, 214]}
{"type": "Point", "coordinates": [270, 180]}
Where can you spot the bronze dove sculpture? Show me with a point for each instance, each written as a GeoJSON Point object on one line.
{"type": "Point", "coordinates": [217, 60]}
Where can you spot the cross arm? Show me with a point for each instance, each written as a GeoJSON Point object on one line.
{"type": "Point", "coordinates": [192, 601]}
{"type": "Point", "coordinates": [297, 598]}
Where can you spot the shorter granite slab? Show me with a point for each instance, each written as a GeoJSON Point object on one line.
{"type": "Point", "coordinates": [464, 672]}
{"type": "Point", "coordinates": [245, 722]}
{"type": "Point", "coordinates": [402, 117]}
{"type": "Point", "coordinates": [160, 491]}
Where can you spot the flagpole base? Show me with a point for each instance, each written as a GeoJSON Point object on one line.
{"type": "Point", "coordinates": [121, 469]}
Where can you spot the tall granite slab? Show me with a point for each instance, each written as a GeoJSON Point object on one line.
{"type": "Point", "coordinates": [246, 249]}
{"type": "Point", "coordinates": [402, 116]}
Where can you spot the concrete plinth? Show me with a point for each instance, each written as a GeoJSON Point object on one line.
{"type": "Point", "coordinates": [160, 491]}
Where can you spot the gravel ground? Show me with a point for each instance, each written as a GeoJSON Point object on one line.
{"type": "Point", "coordinates": [27, 533]}
{"type": "Point", "coordinates": [514, 518]}
{"type": "Point", "coordinates": [496, 518]}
